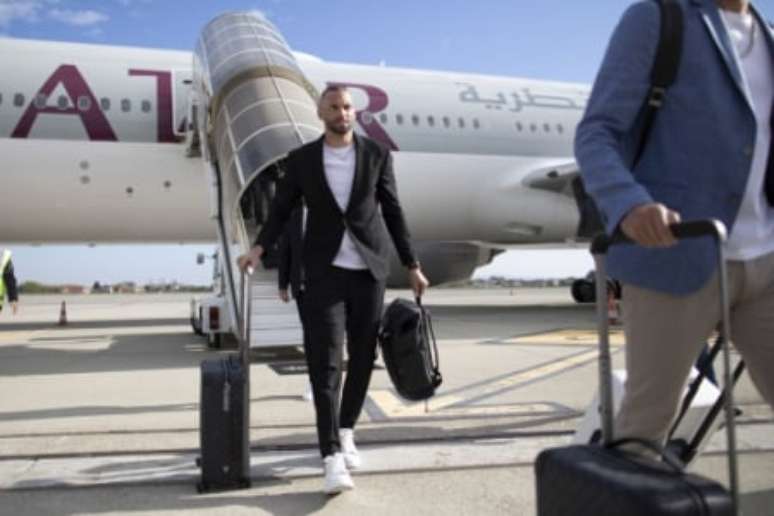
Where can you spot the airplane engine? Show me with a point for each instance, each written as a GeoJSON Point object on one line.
{"type": "Point", "coordinates": [442, 262]}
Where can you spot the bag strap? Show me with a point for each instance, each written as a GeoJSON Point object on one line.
{"type": "Point", "coordinates": [427, 329]}
{"type": "Point", "coordinates": [665, 65]}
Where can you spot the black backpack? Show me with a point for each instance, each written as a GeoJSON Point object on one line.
{"type": "Point", "coordinates": [409, 349]}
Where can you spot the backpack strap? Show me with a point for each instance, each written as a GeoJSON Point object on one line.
{"type": "Point", "coordinates": [427, 330]}
{"type": "Point", "coordinates": [665, 65]}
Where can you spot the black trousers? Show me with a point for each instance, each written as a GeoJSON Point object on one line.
{"type": "Point", "coordinates": [341, 303]}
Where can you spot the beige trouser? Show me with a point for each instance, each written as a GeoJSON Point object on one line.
{"type": "Point", "coordinates": [665, 333]}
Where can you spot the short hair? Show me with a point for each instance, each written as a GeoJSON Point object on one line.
{"type": "Point", "coordinates": [333, 87]}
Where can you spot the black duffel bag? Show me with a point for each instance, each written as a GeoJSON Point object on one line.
{"type": "Point", "coordinates": [409, 349]}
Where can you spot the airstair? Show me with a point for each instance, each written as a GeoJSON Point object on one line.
{"type": "Point", "coordinates": [252, 104]}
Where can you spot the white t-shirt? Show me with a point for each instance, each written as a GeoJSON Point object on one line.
{"type": "Point", "coordinates": [339, 165]}
{"type": "Point", "coordinates": [753, 232]}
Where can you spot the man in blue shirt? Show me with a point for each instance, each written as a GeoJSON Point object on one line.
{"type": "Point", "coordinates": [708, 154]}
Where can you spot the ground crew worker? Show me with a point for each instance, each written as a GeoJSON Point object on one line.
{"type": "Point", "coordinates": [8, 282]}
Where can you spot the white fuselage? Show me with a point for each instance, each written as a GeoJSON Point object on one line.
{"type": "Point", "coordinates": [92, 145]}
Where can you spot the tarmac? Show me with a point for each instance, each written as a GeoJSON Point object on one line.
{"type": "Point", "coordinates": [101, 416]}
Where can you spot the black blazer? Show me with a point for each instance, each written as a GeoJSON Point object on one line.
{"type": "Point", "coordinates": [289, 254]}
{"type": "Point", "coordinates": [373, 188]}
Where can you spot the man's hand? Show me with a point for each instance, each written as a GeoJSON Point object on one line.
{"type": "Point", "coordinates": [648, 225]}
{"type": "Point", "coordinates": [284, 296]}
{"type": "Point", "coordinates": [418, 281]}
{"type": "Point", "coordinates": [251, 259]}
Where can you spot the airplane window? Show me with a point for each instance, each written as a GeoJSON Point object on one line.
{"type": "Point", "coordinates": [18, 100]}
{"type": "Point", "coordinates": [146, 106]}
{"type": "Point", "coordinates": [446, 121]}
{"type": "Point", "coordinates": [559, 128]}
{"type": "Point", "coordinates": [84, 103]}
{"type": "Point", "coordinates": [399, 119]}
{"type": "Point", "coordinates": [533, 127]}
{"type": "Point", "coordinates": [62, 102]}
{"type": "Point", "coordinates": [547, 128]}
{"type": "Point", "coordinates": [519, 127]}
{"type": "Point", "coordinates": [461, 123]}
{"type": "Point", "coordinates": [383, 118]}
{"type": "Point", "coordinates": [40, 100]}
{"type": "Point", "coordinates": [126, 105]}
{"type": "Point", "coordinates": [105, 103]}
{"type": "Point", "coordinates": [1, 99]}
{"type": "Point", "coordinates": [431, 121]}
{"type": "Point", "coordinates": [476, 123]}
{"type": "Point", "coordinates": [415, 119]}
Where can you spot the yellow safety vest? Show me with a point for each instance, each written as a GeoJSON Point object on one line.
{"type": "Point", "coordinates": [3, 265]}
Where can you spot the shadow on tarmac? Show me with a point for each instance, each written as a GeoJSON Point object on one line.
{"type": "Point", "coordinates": [168, 497]}
{"type": "Point", "coordinates": [91, 325]}
{"type": "Point", "coordinates": [74, 354]}
{"type": "Point", "coordinates": [758, 502]}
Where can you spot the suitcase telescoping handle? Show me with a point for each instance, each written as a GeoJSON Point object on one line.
{"type": "Point", "coordinates": [716, 230]}
{"type": "Point", "coordinates": [246, 302]}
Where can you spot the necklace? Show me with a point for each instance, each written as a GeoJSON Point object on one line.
{"type": "Point", "coordinates": [746, 52]}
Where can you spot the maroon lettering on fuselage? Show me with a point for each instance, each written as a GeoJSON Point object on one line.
{"type": "Point", "coordinates": [164, 114]}
{"type": "Point", "coordinates": [377, 101]}
{"type": "Point", "coordinates": [94, 121]}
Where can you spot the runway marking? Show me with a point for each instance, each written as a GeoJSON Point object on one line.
{"type": "Point", "coordinates": [15, 337]}
{"type": "Point", "coordinates": [390, 405]}
{"type": "Point", "coordinates": [567, 338]}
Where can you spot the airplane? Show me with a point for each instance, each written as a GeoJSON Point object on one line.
{"type": "Point", "coordinates": [104, 144]}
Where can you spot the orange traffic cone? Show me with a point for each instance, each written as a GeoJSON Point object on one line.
{"type": "Point", "coordinates": [63, 315]}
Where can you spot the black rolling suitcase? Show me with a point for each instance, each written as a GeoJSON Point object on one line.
{"type": "Point", "coordinates": [603, 480]}
{"type": "Point", "coordinates": [409, 349]}
{"type": "Point", "coordinates": [224, 416]}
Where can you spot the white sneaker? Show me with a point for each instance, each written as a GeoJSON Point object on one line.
{"type": "Point", "coordinates": [348, 449]}
{"type": "Point", "coordinates": [337, 477]}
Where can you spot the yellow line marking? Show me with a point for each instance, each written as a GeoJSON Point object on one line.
{"type": "Point", "coordinates": [393, 406]}
{"type": "Point", "coordinates": [567, 337]}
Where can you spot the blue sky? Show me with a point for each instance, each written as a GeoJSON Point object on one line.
{"type": "Point", "coordinates": [546, 39]}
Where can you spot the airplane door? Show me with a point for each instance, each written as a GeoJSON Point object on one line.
{"type": "Point", "coordinates": [181, 87]}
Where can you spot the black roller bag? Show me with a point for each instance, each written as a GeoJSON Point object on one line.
{"type": "Point", "coordinates": [224, 418]}
{"type": "Point", "coordinates": [604, 480]}
{"type": "Point", "coordinates": [409, 349]}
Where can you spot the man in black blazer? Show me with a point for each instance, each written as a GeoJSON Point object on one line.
{"type": "Point", "coordinates": [289, 270]}
{"type": "Point", "coordinates": [290, 273]}
{"type": "Point", "coordinates": [347, 184]}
